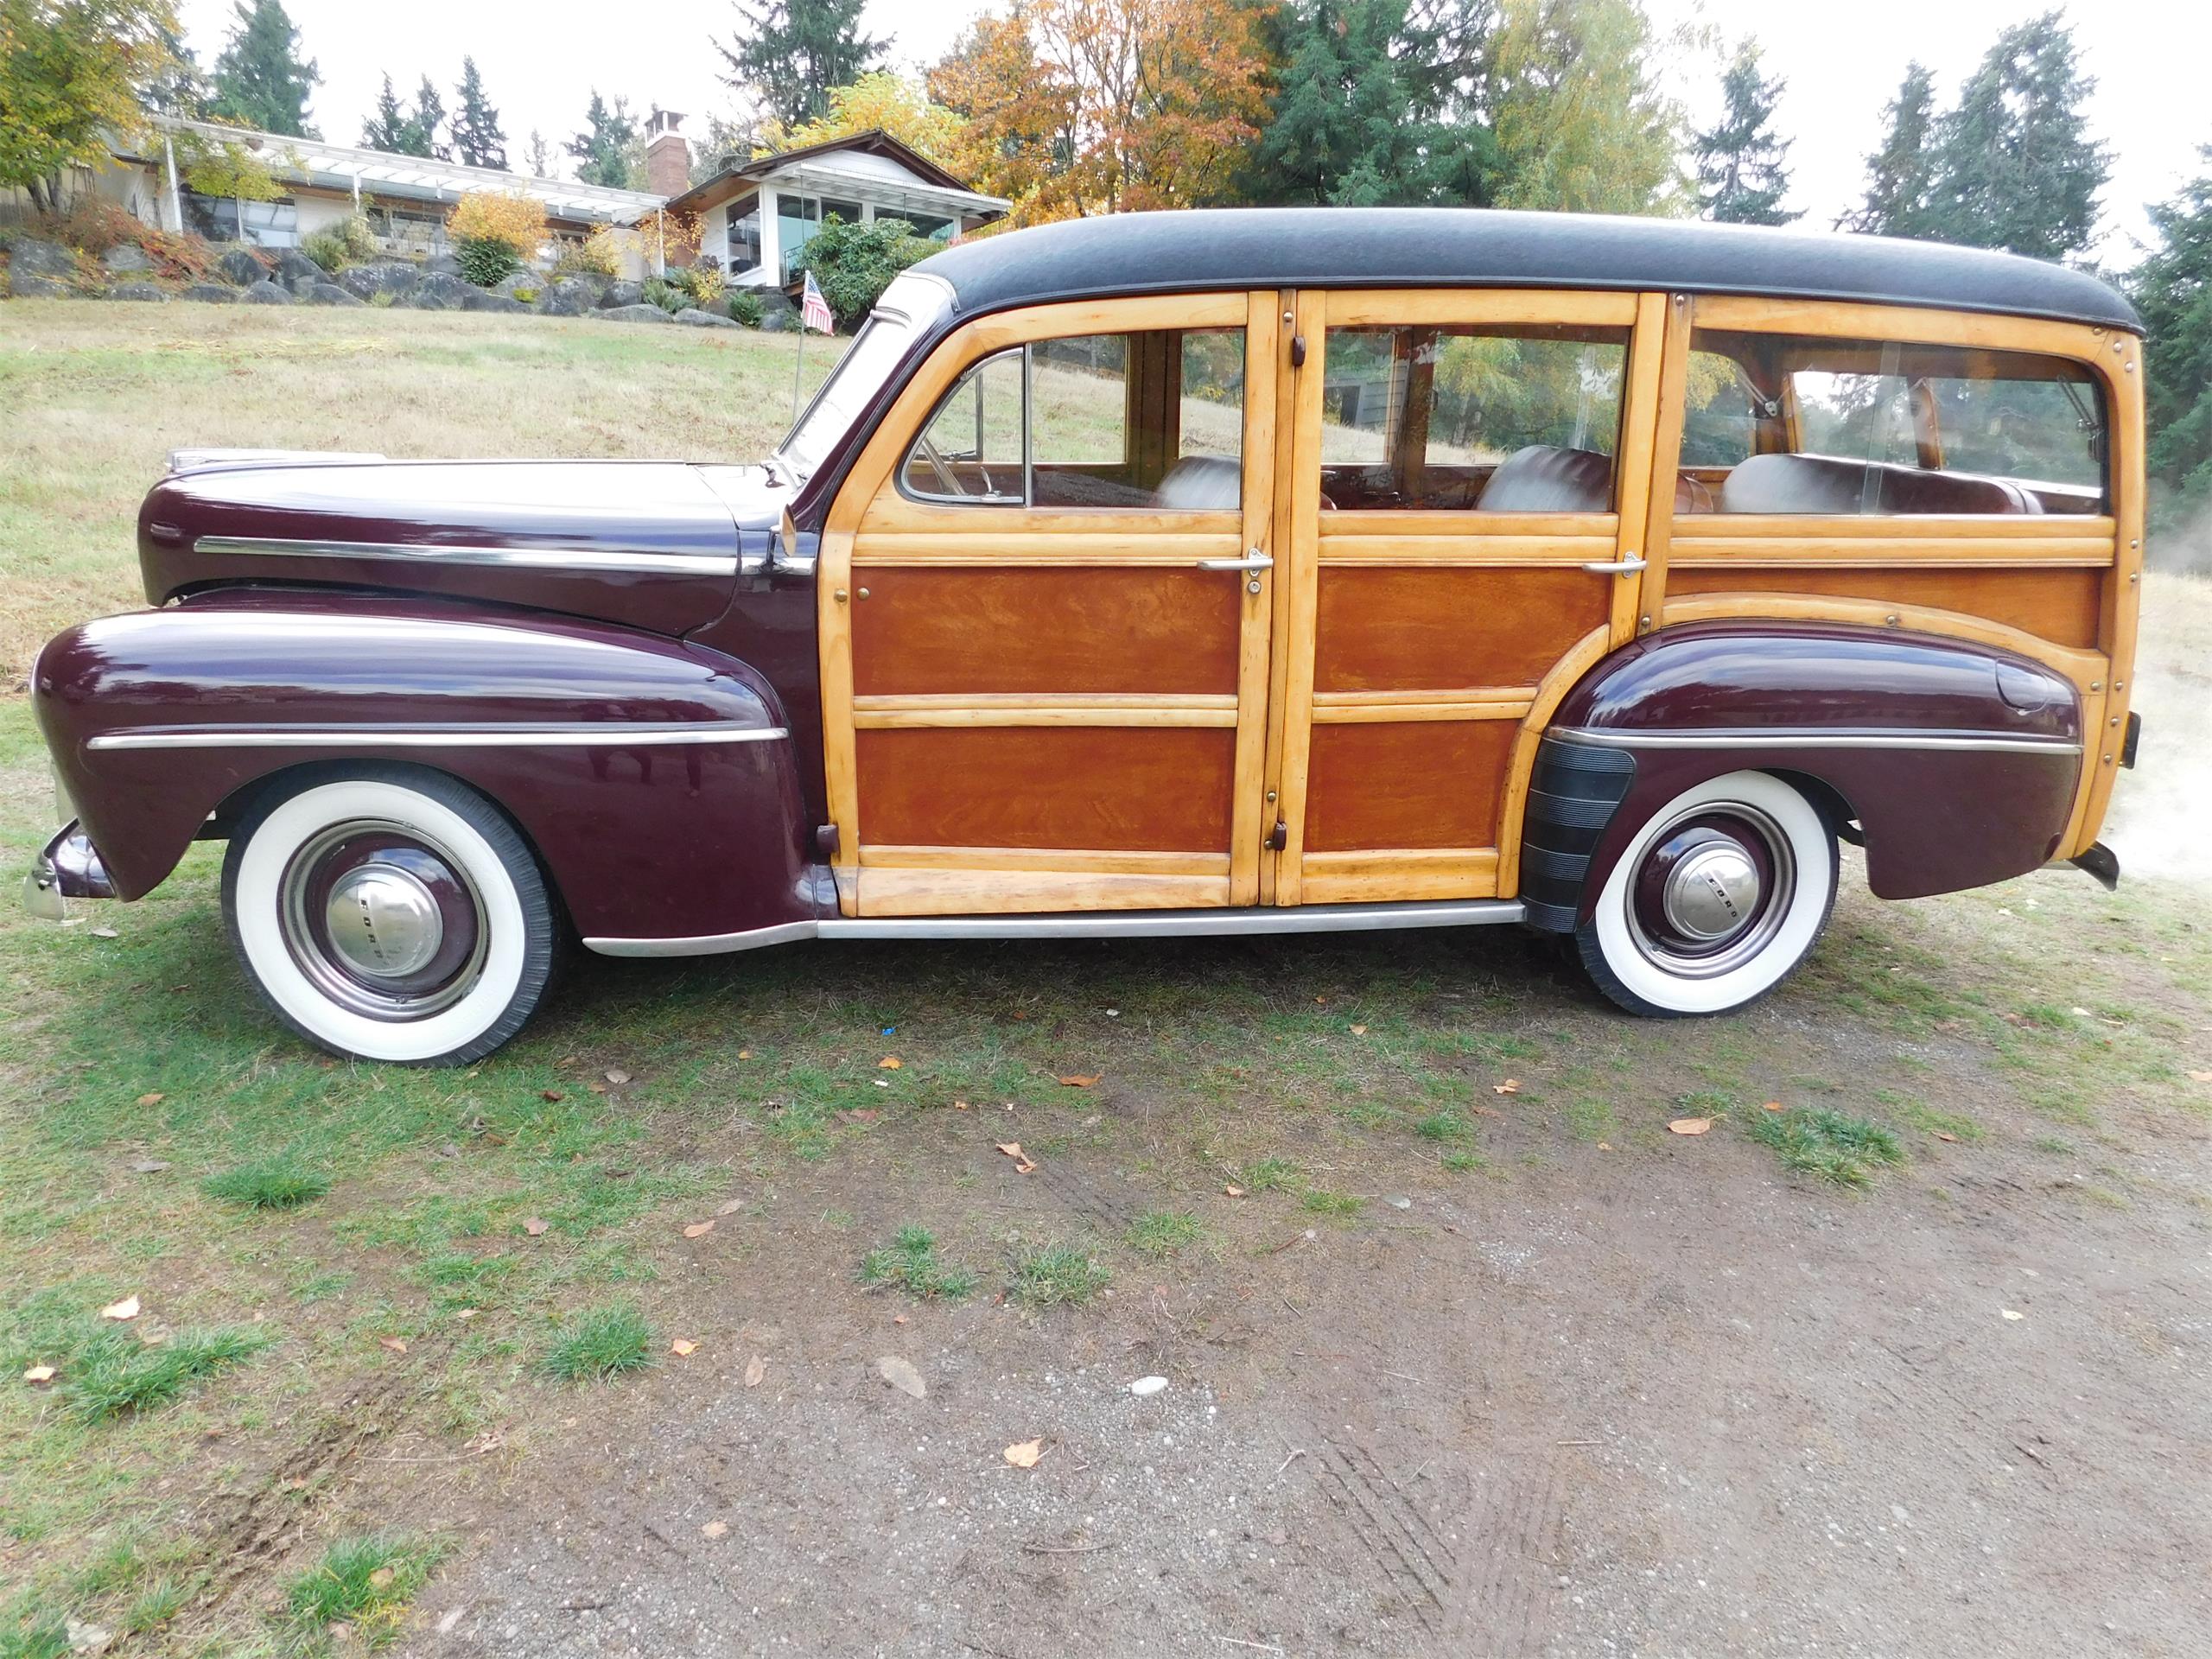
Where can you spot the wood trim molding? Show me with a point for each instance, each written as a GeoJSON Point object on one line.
{"type": "Point", "coordinates": [1919, 324]}
{"type": "Point", "coordinates": [1298, 573]}
{"type": "Point", "coordinates": [1474, 702]}
{"type": "Point", "coordinates": [1097, 861]}
{"type": "Point", "coordinates": [1813, 548]}
{"type": "Point", "coordinates": [1256, 611]}
{"type": "Point", "coordinates": [1467, 550]}
{"type": "Point", "coordinates": [913, 711]}
{"type": "Point", "coordinates": [1410, 873]}
{"type": "Point", "coordinates": [1588, 653]}
{"type": "Point", "coordinates": [880, 549]}
{"type": "Point", "coordinates": [1636, 466]}
{"type": "Point", "coordinates": [1004, 890]}
{"type": "Point", "coordinates": [840, 774]}
{"type": "Point", "coordinates": [1666, 452]}
{"type": "Point", "coordinates": [1383, 307]}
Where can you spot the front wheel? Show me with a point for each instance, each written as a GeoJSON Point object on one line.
{"type": "Point", "coordinates": [1719, 897]}
{"type": "Point", "coordinates": [390, 914]}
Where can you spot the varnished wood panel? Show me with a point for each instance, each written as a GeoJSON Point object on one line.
{"type": "Point", "coordinates": [1161, 789]}
{"type": "Point", "coordinates": [1394, 877]}
{"type": "Point", "coordinates": [964, 892]}
{"type": "Point", "coordinates": [1426, 784]}
{"type": "Point", "coordinates": [1044, 630]}
{"type": "Point", "coordinates": [1386, 630]}
{"type": "Point", "coordinates": [2062, 606]}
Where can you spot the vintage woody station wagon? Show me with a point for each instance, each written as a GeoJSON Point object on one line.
{"type": "Point", "coordinates": [1163, 574]}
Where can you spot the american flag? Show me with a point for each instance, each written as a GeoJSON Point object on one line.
{"type": "Point", "coordinates": [814, 310]}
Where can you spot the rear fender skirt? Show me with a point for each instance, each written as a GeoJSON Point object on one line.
{"type": "Point", "coordinates": [656, 779]}
{"type": "Point", "coordinates": [1958, 761]}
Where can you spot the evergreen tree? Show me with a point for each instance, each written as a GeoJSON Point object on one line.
{"type": "Point", "coordinates": [1901, 175]}
{"type": "Point", "coordinates": [420, 135]}
{"type": "Point", "coordinates": [386, 129]}
{"type": "Point", "coordinates": [2016, 168]}
{"type": "Point", "coordinates": [261, 79]}
{"type": "Point", "coordinates": [176, 86]}
{"type": "Point", "coordinates": [537, 156]}
{"type": "Point", "coordinates": [2172, 287]}
{"type": "Point", "coordinates": [1740, 177]}
{"type": "Point", "coordinates": [477, 139]}
{"type": "Point", "coordinates": [604, 151]}
{"type": "Point", "coordinates": [789, 54]}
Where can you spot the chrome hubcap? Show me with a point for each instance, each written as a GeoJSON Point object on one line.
{"type": "Point", "coordinates": [383, 922]}
{"type": "Point", "coordinates": [383, 919]}
{"type": "Point", "coordinates": [1711, 892]}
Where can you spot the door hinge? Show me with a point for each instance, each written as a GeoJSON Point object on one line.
{"type": "Point", "coordinates": [1298, 351]}
{"type": "Point", "coordinates": [1278, 838]}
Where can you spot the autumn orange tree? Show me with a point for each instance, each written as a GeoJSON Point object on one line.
{"type": "Point", "coordinates": [1095, 106]}
{"type": "Point", "coordinates": [879, 102]}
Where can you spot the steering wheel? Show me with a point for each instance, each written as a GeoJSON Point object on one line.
{"type": "Point", "coordinates": [945, 476]}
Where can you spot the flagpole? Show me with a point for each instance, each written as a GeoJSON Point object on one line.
{"type": "Point", "coordinates": [798, 363]}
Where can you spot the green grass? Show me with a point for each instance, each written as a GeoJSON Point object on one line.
{"type": "Point", "coordinates": [910, 1263]}
{"type": "Point", "coordinates": [158, 1603]}
{"type": "Point", "coordinates": [37, 1635]}
{"type": "Point", "coordinates": [113, 1372]}
{"type": "Point", "coordinates": [1930, 1120]}
{"type": "Point", "coordinates": [1834, 1146]}
{"type": "Point", "coordinates": [1163, 1233]}
{"type": "Point", "coordinates": [1460, 1161]}
{"type": "Point", "coordinates": [1058, 1275]}
{"type": "Point", "coordinates": [1272, 1175]}
{"type": "Point", "coordinates": [1450, 1124]}
{"type": "Point", "coordinates": [277, 1183]}
{"type": "Point", "coordinates": [364, 1582]}
{"type": "Point", "coordinates": [600, 1343]}
{"type": "Point", "coordinates": [1336, 1206]}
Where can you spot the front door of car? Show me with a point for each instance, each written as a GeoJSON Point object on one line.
{"type": "Point", "coordinates": [1463, 495]}
{"type": "Point", "coordinates": [1046, 597]}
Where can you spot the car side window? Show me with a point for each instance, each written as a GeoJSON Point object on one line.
{"type": "Point", "coordinates": [1151, 420]}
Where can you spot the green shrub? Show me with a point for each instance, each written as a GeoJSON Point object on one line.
{"type": "Point", "coordinates": [347, 243]}
{"type": "Point", "coordinates": [666, 295]}
{"type": "Point", "coordinates": [854, 263]}
{"type": "Point", "coordinates": [485, 261]}
{"type": "Point", "coordinates": [703, 283]}
{"type": "Point", "coordinates": [745, 307]}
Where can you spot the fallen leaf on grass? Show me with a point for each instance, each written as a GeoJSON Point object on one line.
{"type": "Point", "coordinates": [125, 1309]}
{"type": "Point", "coordinates": [700, 1228]}
{"type": "Point", "coordinates": [1510, 1086]}
{"type": "Point", "coordinates": [382, 1576]}
{"type": "Point", "coordinates": [1025, 1455]}
{"type": "Point", "coordinates": [1605, 1145]}
{"type": "Point", "coordinates": [755, 1369]}
{"type": "Point", "coordinates": [38, 1374]}
{"type": "Point", "coordinates": [729, 1208]}
{"type": "Point", "coordinates": [1942, 1135]}
{"type": "Point", "coordinates": [683, 1347]}
{"type": "Point", "coordinates": [618, 1075]}
{"type": "Point", "coordinates": [1231, 1190]}
{"type": "Point", "coordinates": [2201, 1076]}
{"type": "Point", "coordinates": [535, 1225]}
{"type": "Point", "coordinates": [959, 1105]}
{"type": "Point", "coordinates": [151, 1097]}
{"type": "Point", "coordinates": [714, 1528]}
{"type": "Point", "coordinates": [1022, 1161]}
{"type": "Point", "coordinates": [548, 1094]}
{"type": "Point", "coordinates": [860, 1114]}
{"type": "Point", "coordinates": [1359, 1031]}
{"type": "Point", "coordinates": [889, 1062]}
{"type": "Point", "coordinates": [395, 1344]}
{"type": "Point", "coordinates": [744, 1053]}
{"type": "Point", "coordinates": [1078, 1081]}
{"type": "Point", "coordinates": [1771, 1106]}
{"type": "Point", "coordinates": [1691, 1125]}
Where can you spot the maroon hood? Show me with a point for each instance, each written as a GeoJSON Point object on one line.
{"type": "Point", "coordinates": [653, 544]}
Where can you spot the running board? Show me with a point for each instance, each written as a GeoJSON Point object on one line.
{"type": "Point", "coordinates": [1091, 925]}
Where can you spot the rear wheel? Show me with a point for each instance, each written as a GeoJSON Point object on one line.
{"type": "Point", "coordinates": [1719, 897]}
{"type": "Point", "coordinates": [390, 914]}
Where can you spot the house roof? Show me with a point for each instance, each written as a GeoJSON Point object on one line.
{"type": "Point", "coordinates": [1444, 247]}
{"type": "Point", "coordinates": [873, 142]}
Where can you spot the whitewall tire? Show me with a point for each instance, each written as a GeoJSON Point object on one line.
{"type": "Point", "coordinates": [388, 913]}
{"type": "Point", "coordinates": [1720, 895]}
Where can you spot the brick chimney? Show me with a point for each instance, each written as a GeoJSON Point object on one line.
{"type": "Point", "coordinates": [668, 158]}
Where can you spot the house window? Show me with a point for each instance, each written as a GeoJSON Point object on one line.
{"type": "Point", "coordinates": [799, 218]}
{"type": "Point", "coordinates": [741, 223]}
{"type": "Point", "coordinates": [268, 224]}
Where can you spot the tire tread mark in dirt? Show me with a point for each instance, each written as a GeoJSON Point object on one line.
{"type": "Point", "coordinates": [1396, 1547]}
{"type": "Point", "coordinates": [1513, 1531]}
{"type": "Point", "coordinates": [1113, 1212]}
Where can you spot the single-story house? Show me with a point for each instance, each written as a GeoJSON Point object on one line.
{"type": "Point", "coordinates": [404, 198]}
{"type": "Point", "coordinates": [755, 216]}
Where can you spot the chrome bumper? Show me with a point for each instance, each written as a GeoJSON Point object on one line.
{"type": "Point", "coordinates": [68, 867]}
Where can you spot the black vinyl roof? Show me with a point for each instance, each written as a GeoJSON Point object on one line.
{"type": "Point", "coordinates": [1445, 247]}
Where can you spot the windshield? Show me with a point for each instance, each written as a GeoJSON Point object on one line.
{"type": "Point", "coordinates": [909, 308]}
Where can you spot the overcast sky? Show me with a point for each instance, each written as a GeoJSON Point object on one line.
{"type": "Point", "coordinates": [1843, 59]}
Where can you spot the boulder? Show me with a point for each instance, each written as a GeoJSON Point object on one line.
{"type": "Point", "coordinates": [774, 301]}
{"type": "Point", "coordinates": [331, 294]}
{"type": "Point", "coordinates": [393, 276]}
{"type": "Point", "coordinates": [480, 299]}
{"type": "Point", "coordinates": [523, 278]}
{"type": "Point", "coordinates": [696, 318]}
{"type": "Point", "coordinates": [442, 292]}
{"type": "Point", "coordinates": [241, 268]}
{"type": "Point", "coordinates": [31, 257]}
{"type": "Point", "coordinates": [777, 322]}
{"type": "Point", "coordinates": [634, 314]}
{"type": "Point", "coordinates": [570, 296]}
{"type": "Point", "coordinates": [153, 291]}
{"type": "Point", "coordinates": [211, 293]}
{"type": "Point", "coordinates": [620, 294]}
{"type": "Point", "coordinates": [441, 264]}
{"type": "Point", "coordinates": [126, 256]}
{"type": "Point", "coordinates": [265, 292]}
{"type": "Point", "coordinates": [24, 285]}
{"type": "Point", "coordinates": [298, 272]}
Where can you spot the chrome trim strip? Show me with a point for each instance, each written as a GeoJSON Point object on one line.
{"type": "Point", "coordinates": [1092, 924]}
{"type": "Point", "coordinates": [1797, 738]}
{"type": "Point", "coordinates": [606, 734]}
{"type": "Point", "coordinates": [583, 560]}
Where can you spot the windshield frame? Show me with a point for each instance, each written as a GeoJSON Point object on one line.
{"type": "Point", "coordinates": [912, 308]}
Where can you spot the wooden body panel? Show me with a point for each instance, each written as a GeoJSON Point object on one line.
{"type": "Point", "coordinates": [1413, 785]}
{"type": "Point", "coordinates": [2061, 605]}
{"type": "Point", "coordinates": [1394, 629]}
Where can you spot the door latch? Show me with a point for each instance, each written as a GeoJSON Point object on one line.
{"type": "Point", "coordinates": [1298, 351]}
{"type": "Point", "coordinates": [1278, 838]}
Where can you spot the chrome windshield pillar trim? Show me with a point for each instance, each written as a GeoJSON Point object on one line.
{"type": "Point", "coordinates": [584, 560]}
{"type": "Point", "coordinates": [597, 734]}
{"type": "Point", "coordinates": [1092, 924]}
{"type": "Point", "coordinates": [1792, 737]}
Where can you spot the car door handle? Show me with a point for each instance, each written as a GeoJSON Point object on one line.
{"type": "Point", "coordinates": [1258, 561]}
{"type": "Point", "coordinates": [1627, 567]}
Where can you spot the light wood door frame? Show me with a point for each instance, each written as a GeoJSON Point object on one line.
{"type": "Point", "coordinates": [873, 527]}
{"type": "Point", "coordinates": [1536, 543]}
